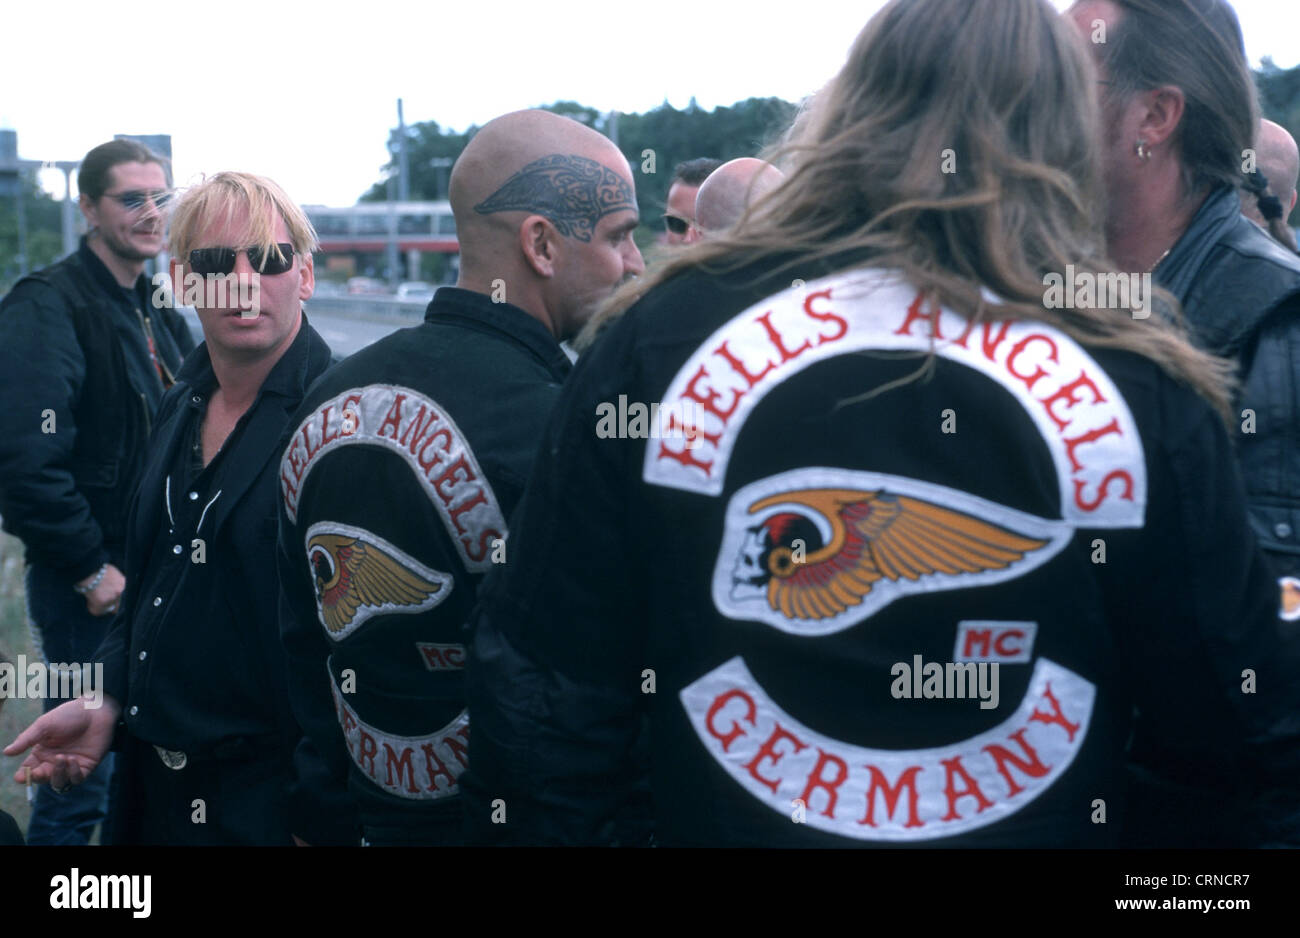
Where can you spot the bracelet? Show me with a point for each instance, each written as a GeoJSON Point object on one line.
{"type": "Point", "coordinates": [90, 587]}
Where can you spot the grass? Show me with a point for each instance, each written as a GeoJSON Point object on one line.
{"type": "Point", "coordinates": [15, 640]}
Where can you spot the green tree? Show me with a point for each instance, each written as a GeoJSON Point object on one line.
{"type": "Point", "coordinates": [44, 230]}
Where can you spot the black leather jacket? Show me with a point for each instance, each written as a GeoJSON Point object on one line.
{"type": "Point", "coordinates": [74, 343]}
{"type": "Point", "coordinates": [769, 596]}
{"type": "Point", "coordinates": [1240, 292]}
{"type": "Point", "coordinates": [405, 462]}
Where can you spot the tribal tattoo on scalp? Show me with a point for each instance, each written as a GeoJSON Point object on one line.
{"type": "Point", "coordinates": [572, 192]}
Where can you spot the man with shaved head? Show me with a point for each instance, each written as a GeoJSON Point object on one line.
{"type": "Point", "coordinates": [409, 457]}
{"type": "Point", "coordinates": [1278, 162]}
{"type": "Point", "coordinates": [730, 190]}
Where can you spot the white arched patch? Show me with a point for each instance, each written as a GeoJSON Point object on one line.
{"type": "Point", "coordinates": [890, 794]}
{"type": "Point", "coordinates": [1077, 409]}
{"type": "Point", "coordinates": [814, 551]}
{"type": "Point", "coordinates": [419, 768]}
{"type": "Point", "coordinates": [422, 433]}
{"type": "Point", "coordinates": [356, 575]}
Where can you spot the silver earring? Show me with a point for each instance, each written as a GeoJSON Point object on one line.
{"type": "Point", "coordinates": [1143, 151]}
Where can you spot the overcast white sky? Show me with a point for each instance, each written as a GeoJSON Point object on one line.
{"type": "Point", "coordinates": [306, 92]}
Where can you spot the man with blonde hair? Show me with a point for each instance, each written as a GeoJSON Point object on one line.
{"type": "Point", "coordinates": [195, 685]}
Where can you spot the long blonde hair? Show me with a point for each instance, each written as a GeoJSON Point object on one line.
{"type": "Point", "coordinates": [958, 146]}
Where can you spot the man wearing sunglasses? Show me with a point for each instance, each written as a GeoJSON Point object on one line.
{"type": "Point", "coordinates": [679, 211]}
{"type": "Point", "coordinates": [193, 666]}
{"type": "Point", "coordinates": [408, 459]}
{"type": "Point", "coordinates": [84, 360]}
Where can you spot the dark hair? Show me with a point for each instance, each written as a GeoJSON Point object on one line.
{"type": "Point", "coordinates": [92, 175]}
{"type": "Point", "coordinates": [694, 172]}
{"type": "Point", "coordinates": [1270, 209]}
{"type": "Point", "coordinates": [1197, 46]}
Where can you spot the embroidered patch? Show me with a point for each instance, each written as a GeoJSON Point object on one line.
{"type": "Point", "coordinates": [891, 794]}
{"type": "Point", "coordinates": [814, 551]}
{"type": "Point", "coordinates": [441, 657]}
{"type": "Point", "coordinates": [420, 768]}
{"type": "Point", "coordinates": [1008, 642]}
{"type": "Point", "coordinates": [358, 574]}
{"type": "Point", "coordinates": [1083, 419]}
{"type": "Point", "coordinates": [421, 432]}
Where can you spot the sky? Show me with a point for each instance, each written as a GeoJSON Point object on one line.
{"type": "Point", "coordinates": [306, 93]}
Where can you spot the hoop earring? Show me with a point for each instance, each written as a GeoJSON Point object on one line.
{"type": "Point", "coordinates": [1143, 151]}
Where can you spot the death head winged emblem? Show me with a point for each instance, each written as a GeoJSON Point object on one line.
{"type": "Point", "coordinates": [358, 574]}
{"type": "Point", "coordinates": [815, 559]}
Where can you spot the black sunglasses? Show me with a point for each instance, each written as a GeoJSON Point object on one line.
{"type": "Point", "coordinates": [678, 226]}
{"type": "Point", "coordinates": [134, 199]}
{"type": "Point", "coordinates": [222, 260]}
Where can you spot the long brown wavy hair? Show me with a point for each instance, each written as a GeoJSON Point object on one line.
{"type": "Point", "coordinates": [959, 146]}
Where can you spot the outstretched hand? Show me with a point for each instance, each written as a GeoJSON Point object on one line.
{"type": "Point", "coordinates": [67, 743]}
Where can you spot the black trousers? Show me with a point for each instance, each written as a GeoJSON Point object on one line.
{"type": "Point", "coordinates": [239, 800]}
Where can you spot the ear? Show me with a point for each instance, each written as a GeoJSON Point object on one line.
{"type": "Point", "coordinates": [307, 278]}
{"type": "Point", "coordinates": [539, 242]}
{"type": "Point", "coordinates": [1164, 112]}
{"type": "Point", "coordinates": [1291, 207]}
{"type": "Point", "coordinates": [88, 211]}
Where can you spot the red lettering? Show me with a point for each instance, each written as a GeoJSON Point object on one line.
{"type": "Point", "coordinates": [461, 465]}
{"type": "Point", "coordinates": [349, 724]}
{"type": "Point", "coordinates": [435, 767]}
{"type": "Point", "coordinates": [432, 657]}
{"type": "Point", "coordinates": [1075, 442]}
{"type": "Point", "coordinates": [478, 498]}
{"type": "Point", "coordinates": [1056, 716]}
{"type": "Point", "coordinates": [1066, 394]}
{"type": "Point", "coordinates": [1019, 348]}
{"type": "Point", "coordinates": [420, 423]}
{"type": "Point", "coordinates": [325, 438]}
{"type": "Point", "coordinates": [306, 439]}
{"type": "Point", "coordinates": [1034, 768]}
{"type": "Point", "coordinates": [891, 793]}
{"type": "Point", "coordinates": [914, 313]}
{"type": "Point", "coordinates": [1103, 491]}
{"type": "Point", "coordinates": [393, 418]}
{"type": "Point", "coordinates": [295, 462]}
{"type": "Point", "coordinates": [686, 455]}
{"type": "Point", "coordinates": [982, 636]}
{"type": "Point", "coordinates": [955, 768]}
{"type": "Point", "coordinates": [368, 750]}
{"type": "Point", "coordinates": [404, 769]}
{"type": "Point", "coordinates": [428, 464]}
{"type": "Point", "coordinates": [1001, 647]}
{"type": "Point", "coordinates": [485, 539]}
{"type": "Point", "coordinates": [739, 367]}
{"type": "Point", "coordinates": [455, 656]}
{"type": "Point", "coordinates": [815, 781]}
{"type": "Point", "coordinates": [721, 701]}
{"type": "Point", "coordinates": [706, 399]}
{"type": "Point", "coordinates": [775, 338]}
{"type": "Point", "coordinates": [768, 751]}
{"type": "Point", "coordinates": [826, 316]}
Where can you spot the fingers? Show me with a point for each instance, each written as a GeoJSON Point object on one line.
{"type": "Point", "coordinates": [25, 739]}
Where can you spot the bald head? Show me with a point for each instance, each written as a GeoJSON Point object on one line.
{"type": "Point", "coordinates": [545, 206]}
{"type": "Point", "coordinates": [730, 189]}
{"type": "Point", "coordinates": [1279, 160]}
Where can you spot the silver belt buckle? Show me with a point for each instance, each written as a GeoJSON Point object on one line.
{"type": "Point", "coordinates": [172, 758]}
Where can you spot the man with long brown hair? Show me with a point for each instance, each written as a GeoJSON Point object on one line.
{"type": "Point", "coordinates": [1179, 120]}
{"type": "Point", "coordinates": [863, 602]}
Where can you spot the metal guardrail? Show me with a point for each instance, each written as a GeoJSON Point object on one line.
{"type": "Point", "coordinates": [388, 308]}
